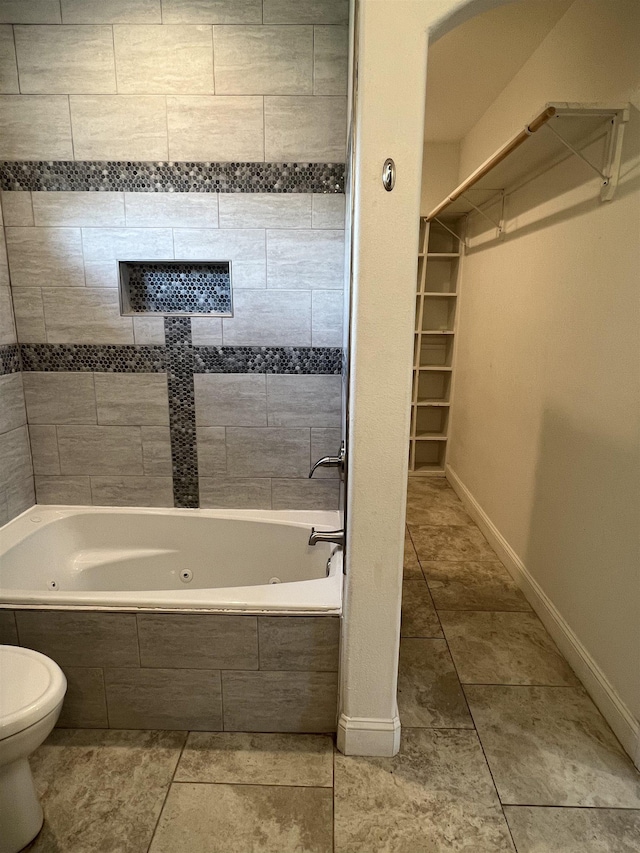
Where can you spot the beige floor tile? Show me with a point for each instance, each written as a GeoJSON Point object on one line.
{"type": "Point", "coordinates": [434, 504]}
{"type": "Point", "coordinates": [241, 818]}
{"type": "Point", "coordinates": [102, 790]}
{"type": "Point", "coordinates": [419, 618]}
{"type": "Point", "coordinates": [455, 542]}
{"type": "Point", "coordinates": [429, 693]}
{"type": "Point", "coordinates": [411, 565]}
{"type": "Point", "coordinates": [473, 586]}
{"type": "Point", "coordinates": [257, 759]}
{"type": "Point", "coordinates": [549, 830]}
{"type": "Point", "coordinates": [436, 795]}
{"type": "Point", "coordinates": [551, 746]}
{"type": "Point", "coordinates": [435, 490]}
{"type": "Point", "coordinates": [504, 648]}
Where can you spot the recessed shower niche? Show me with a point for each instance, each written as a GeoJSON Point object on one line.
{"type": "Point", "coordinates": [186, 288]}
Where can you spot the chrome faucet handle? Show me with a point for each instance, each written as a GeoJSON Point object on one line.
{"type": "Point", "coordinates": [331, 462]}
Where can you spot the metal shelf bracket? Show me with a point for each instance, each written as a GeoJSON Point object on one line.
{"type": "Point", "coordinates": [610, 172]}
{"type": "Point", "coordinates": [498, 225]}
{"type": "Point", "coordinates": [463, 240]}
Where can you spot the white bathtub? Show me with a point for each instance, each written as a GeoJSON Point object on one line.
{"type": "Point", "coordinates": [248, 561]}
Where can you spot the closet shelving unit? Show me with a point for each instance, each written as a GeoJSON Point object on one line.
{"type": "Point", "coordinates": [437, 292]}
{"type": "Point", "coordinates": [591, 132]}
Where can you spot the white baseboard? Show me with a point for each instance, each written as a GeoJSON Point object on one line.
{"type": "Point", "coordinates": [613, 709]}
{"type": "Point", "coordinates": [368, 736]}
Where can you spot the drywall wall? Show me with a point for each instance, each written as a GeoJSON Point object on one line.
{"type": "Point", "coordinates": [440, 165]}
{"type": "Point", "coordinates": [384, 261]}
{"type": "Point", "coordinates": [545, 427]}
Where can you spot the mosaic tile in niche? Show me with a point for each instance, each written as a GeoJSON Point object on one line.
{"type": "Point", "coordinates": [178, 288]}
{"type": "Point", "coordinates": [130, 176]}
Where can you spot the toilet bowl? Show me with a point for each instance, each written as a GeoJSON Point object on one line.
{"type": "Point", "coordinates": [32, 688]}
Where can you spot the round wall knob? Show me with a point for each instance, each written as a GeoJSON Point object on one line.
{"type": "Point", "coordinates": [389, 174]}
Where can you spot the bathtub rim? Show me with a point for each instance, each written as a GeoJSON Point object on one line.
{"type": "Point", "coordinates": [325, 594]}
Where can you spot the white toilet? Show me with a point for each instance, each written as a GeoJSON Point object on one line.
{"type": "Point", "coordinates": [32, 688]}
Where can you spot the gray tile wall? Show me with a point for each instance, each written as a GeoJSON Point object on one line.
{"type": "Point", "coordinates": [16, 472]}
{"type": "Point", "coordinates": [173, 80]}
{"type": "Point", "coordinates": [196, 671]}
{"type": "Point", "coordinates": [103, 438]}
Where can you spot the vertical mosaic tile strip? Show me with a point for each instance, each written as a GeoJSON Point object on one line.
{"type": "Point", "coordinates": [9, 359]}
{"type": "Point", "coordinates": [182, 412]}
{"type": "Point", "coordinates": [87, 175]}
{"type": "Point", "coordinates": [166, 287]}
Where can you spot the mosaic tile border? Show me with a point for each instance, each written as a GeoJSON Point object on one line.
{"type": "Point", "coordinates": [93, 358]}
{"type": "Point", "coordinates": [301, 360]}
{"type": "Point", "coordinates": [203, 177]}
{"type": "Point", "coordinates": [9, 359]}
{"type": "Point", "coordinates": [126, 358]}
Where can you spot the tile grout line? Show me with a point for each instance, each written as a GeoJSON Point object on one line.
{"type": "Point", "coordinates": [104, 690]}
{"type": "Point", "coordinates": [213, 58]}
{"type": "Point", "coordinates": [475, 728]}
{"type": "Point", "coordinates": [333, 797]}
{"type": "Point", "coordinates": [511, 684]}
{"type": "Point", "coordinates": [15, 53]}
{"type": "Point", "coordinates": [477, 733]}
{"type": "Point", "coordinates": [166, 796]}
{"type": "Point", "coordinates": [115, 62]}
{"type": "Point", "coordinates": [73, 148]}
{"type": "Point", "coordinates": [252, 784]}
{"type": "Point", "coordinates": [570, 808]}
{"type": "Point", "coordinates": [221, 700]}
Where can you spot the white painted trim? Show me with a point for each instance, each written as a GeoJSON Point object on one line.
{"type": "Point", "coordinates": [368, 735]}
{"type": "Point", "coordinates": [613, 709]}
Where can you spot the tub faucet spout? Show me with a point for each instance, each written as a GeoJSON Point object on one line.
{"type": "Point", "coordinates": [331, 462]}
{"type": "Point", "coordinates": [335, 536]}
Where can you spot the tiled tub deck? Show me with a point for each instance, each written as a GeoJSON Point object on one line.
{"type": "Point", "coordinates": [205, 672]}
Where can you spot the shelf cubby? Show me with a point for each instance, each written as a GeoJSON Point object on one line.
{"type": "Point", "coordinates": [434, 351]}
{"type": "Point", "coordinates": [431, 421]}
{"type": "Point", "coordinates": [438, 314]}
{"type": "Point", "coordinates": [433, 386]}
{"type": "Point", "coordinates": [429, 457]}
{"type": "Point", "coordinates": [441, 274]}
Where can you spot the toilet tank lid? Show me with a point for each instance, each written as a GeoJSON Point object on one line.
{"type": "Point", "coordinates": [31, 686]}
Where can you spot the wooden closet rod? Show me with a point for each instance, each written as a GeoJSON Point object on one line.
{"type": "Point", "coordinates": [493, 161]}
